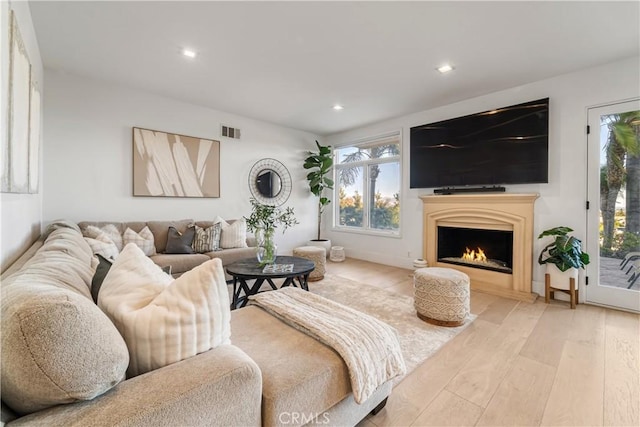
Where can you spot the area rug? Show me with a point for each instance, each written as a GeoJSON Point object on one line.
{"type": "Point", "coordinates": [418, 340]}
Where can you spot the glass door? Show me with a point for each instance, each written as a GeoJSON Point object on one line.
{"type": "Point", "coordinates": [613, 218]}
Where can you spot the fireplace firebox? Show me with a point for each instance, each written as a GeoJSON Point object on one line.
{"type": "Point", "coordinates": [477, 248]}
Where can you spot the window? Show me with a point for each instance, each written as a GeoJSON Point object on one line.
{"type": "Point", "coordinates": [367, 176]}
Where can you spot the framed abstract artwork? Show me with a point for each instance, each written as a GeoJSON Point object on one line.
{"type": "Point", "coordinates": [15, 154]}
{"type": "Point", "coordinates": [172, 165]}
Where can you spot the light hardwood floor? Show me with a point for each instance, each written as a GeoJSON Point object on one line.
{"type": "Point", "coordinates": [517, 364]}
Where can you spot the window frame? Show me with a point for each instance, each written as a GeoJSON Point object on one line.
{"type": "Point", "coordinates": [365, 164]}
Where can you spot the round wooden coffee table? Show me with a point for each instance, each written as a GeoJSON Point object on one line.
{"type": "Point", "coordinates": [249, 269]}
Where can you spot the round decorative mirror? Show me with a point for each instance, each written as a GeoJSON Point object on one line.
{"type": "Point", "coordinates": [270, 182]}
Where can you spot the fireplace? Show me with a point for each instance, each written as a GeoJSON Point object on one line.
{"type": "Point", "coordinates": [476, 248]}
{"type": "Point", "coordinates": [498, 226]}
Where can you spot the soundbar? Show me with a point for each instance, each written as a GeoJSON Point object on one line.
{"type": "Point", "coordinates": [453, 190]}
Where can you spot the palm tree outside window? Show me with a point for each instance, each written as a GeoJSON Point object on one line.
{"type": "Point", "coordinates": [620, 179]}
{"type": "Point", "coordinates": [368, 176]}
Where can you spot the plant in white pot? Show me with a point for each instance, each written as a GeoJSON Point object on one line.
{"type": "Point", "coordinates": [563, 257]}
{"type": "Point", "coordinates": [319, 163]}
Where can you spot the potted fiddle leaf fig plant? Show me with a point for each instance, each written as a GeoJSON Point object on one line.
{"type": "Point", "coordinates": [563, 258]}
{"type": "Point", "coordinates": [319, 163]}
{"type": "Point", "coordinates": [263, 221]}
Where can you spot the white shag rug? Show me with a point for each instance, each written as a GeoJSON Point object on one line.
{"type": "Point", "coordinates": [419, 340]}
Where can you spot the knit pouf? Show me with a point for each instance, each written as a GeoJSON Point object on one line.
{"type": "Point", "coordinates": [316, 254]}
{"type": "Point", "coordinates": [441, 295]}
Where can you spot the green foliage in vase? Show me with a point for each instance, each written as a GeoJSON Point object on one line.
{"type": "Point", "coordinates": [565, 251]}
{"type": "Point", "coordinates": [267, 218]}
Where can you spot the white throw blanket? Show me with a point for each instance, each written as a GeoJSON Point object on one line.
{"type": "Point", "coordinates": [369, 347]}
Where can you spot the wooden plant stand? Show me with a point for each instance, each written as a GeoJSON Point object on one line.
{"type": "Point", "coordinates": [549, 290]}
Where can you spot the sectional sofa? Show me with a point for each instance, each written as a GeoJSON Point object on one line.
{"type": "Point", "coordinates": [179, 263]}
{"type": "Point", "coordinates": [63, 360]}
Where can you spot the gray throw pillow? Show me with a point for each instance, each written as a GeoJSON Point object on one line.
{"type": "Point", "coordinates": [101, 271]}
{"type": "Point", "coordinates": [180, 243]}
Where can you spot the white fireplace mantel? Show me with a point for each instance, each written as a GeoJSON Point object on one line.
{"type": "Point", "coordinates": [495, 211]}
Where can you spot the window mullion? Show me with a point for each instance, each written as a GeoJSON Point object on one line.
{"type": "Point", "coordinates": [365, 197]}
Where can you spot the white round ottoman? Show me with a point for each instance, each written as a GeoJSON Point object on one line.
{"type": "Point", "coordinates": [441, 295]}
{"type": "Point", "coordinates": [316, 254]}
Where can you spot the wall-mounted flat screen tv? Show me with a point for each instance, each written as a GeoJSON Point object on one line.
{"type": "Point", "coordinates": [504, 146]}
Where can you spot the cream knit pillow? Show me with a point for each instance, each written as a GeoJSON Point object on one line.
{"type": "Point", "coordinates": [163, 320]}
{"type": "Point", "coordinates": [233, 235]}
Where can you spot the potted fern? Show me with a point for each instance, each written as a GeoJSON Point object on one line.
{"type": "Point", "coordinates": [319, 163]}
{"type": "Point", "coordinates": [563, 257]}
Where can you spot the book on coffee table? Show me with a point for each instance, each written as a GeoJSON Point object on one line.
{"type": "Point", "coordinates": [278, 268]}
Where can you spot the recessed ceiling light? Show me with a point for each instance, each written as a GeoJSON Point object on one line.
{"type": "Point", "coordinates": [445, 68]}
{"type": "Point", "coordinates": [338, 107]}
{"type": "Point", "coordinates": [189, 53]}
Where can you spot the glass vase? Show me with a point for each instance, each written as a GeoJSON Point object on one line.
{"type": "Point", "coordinates": [266, 250]}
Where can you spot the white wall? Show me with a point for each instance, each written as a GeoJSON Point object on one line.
{"type": "Point", "coordinates": [21, 214]}
{"type": "Point", "coordinates": [562, 200]}
{"type": "Point", "coordinates": [88, 156]}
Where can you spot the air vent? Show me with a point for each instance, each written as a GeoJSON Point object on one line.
{"type": "Point", "coordinates": [230, 132]}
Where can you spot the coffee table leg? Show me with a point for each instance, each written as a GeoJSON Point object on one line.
{"type": "Point", "coordinates": [244, 287]}
{"type": "Point", "coordinates": [234, 302]}
{"type": "Point", "coordinates": [273, 285]}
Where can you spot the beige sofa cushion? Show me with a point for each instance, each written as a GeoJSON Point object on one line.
{"type": "Point", "coordinates": [57, 346]}
{"type": "Point", "coordinates": [229, 256]}
{"type": "Point", "coordinates": [163, 320]}
{"type": "Point", "coordinates": [297, 371]}
{"type": "Point", "coordinates": [179, 263]}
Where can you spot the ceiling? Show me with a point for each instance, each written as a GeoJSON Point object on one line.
{"type": "Point", "coordinates": [288, 63]}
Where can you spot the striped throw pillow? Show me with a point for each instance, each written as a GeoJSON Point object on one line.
{"type": "Point", "coordinates": [207, 239]}
{"type": "Point", "coordinates": [233, 235]}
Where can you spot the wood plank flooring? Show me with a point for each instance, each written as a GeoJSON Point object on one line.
{"type": "Point", "coordinates": [517, 364]}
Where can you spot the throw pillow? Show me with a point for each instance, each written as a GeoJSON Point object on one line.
{"type": "Point", "coordinates": [233, 235]}
{"type": "Point", "coordinates": [163, 320]}
{"type": "Point", "coordinates": [144, 240]}
{"type": "Point", "coordinates": [102, 244]}
{"type": "Point", "coordinates": [104, 265]}
{"type": "Point", "coordinates": [207, 239]}
{"type": "Point", "coordinates": [101, 272]}
{"type": "Point", "coordinates": [180, 243]}
{"type": "Point", "coordinates": [110, 230]}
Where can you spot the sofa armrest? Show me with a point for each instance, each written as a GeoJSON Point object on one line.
{"type": "Point", "coordinates": [221, 387]}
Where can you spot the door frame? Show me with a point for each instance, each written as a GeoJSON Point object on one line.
{"type": "Point", "coordinates": [618, 298]}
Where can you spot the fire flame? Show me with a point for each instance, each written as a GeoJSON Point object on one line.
{"type": "Point", "coordinates": [475, 256]}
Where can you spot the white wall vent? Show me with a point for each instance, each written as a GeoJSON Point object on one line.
{"type": "Point", "coordinates": [230, 132]}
